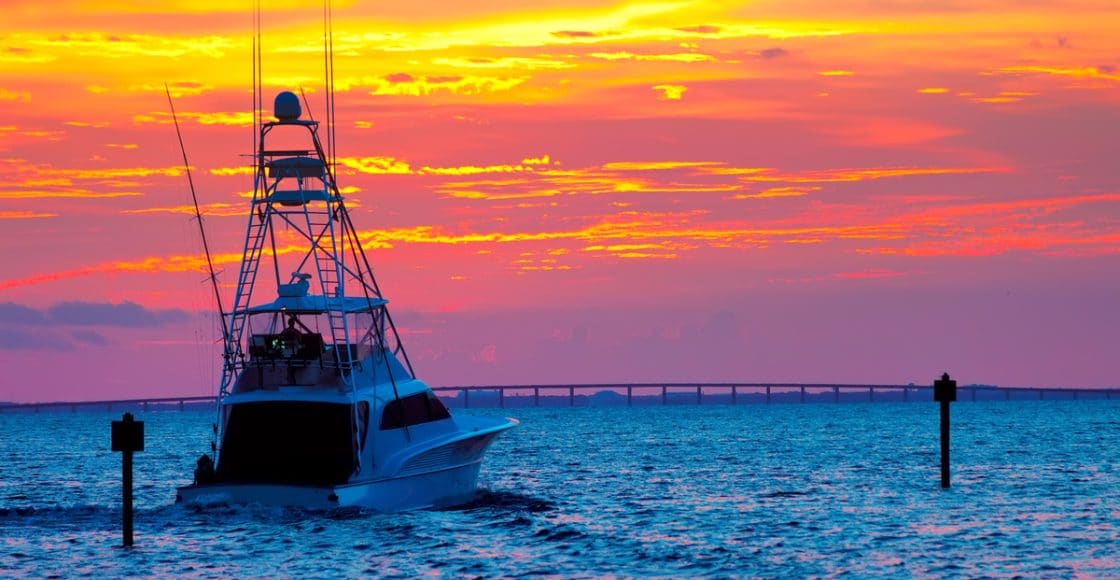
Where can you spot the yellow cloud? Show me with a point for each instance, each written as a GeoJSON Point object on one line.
{"type": "Point", "coordinates": [675, 57]}
{"type": "Point", "coordinates": [402, 84]}
{"type": "Point", "coordinates": [376, 165]}
{"type": "Point", "coordinates": [127, 45]}
{"type": "Point", "coordinates": [505, 62]}
{"type": "Point", "coordinates": [670, 92]}
{"type": "Point", "coordinates": [235, 118]}
{"type": "Point", "coordinates": [542, 160]}
{"type": "Point", "coordinates": [247, 170]}
{"type": "Point", "coordinates": [474, 169]}
{"type": "Point", "coordinates": [656, 165]}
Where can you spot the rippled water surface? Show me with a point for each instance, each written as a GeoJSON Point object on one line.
{"type": "Point", "coordinates": [749, 490]}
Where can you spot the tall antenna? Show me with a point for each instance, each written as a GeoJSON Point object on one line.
{"type": "Point", "coordinates": [328, 80]}
{"type": "Point", "coordinates": [258, 104]}
{"type": "Point", "coordinates": [198, 217]}
{"type": "Point", "coordinates": [334, 132]}
{"type": "Point", "coordinates": [253, 57]}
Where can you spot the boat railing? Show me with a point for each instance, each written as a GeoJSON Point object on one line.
{"type": "Point", "coordinates": [277, 360]}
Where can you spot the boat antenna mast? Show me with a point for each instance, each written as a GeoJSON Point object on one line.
{"type": "Point", "coordinates": [227, 355]}
{"type": "Point", "coordinates": [198, 218]}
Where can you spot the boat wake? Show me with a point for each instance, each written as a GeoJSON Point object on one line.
{"type": "Point", "coordinates": [504, 501]}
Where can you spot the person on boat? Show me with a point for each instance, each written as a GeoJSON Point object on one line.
{"type": "Point", "coordinates": [290, 338]}
{"type": "Point", "coordinates": [204, 472]}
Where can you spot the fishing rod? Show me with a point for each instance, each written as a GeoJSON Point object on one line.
{"type": "Point", "coordinates": [201, 229]}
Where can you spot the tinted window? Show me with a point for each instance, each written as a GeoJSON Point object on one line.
{"type": "Point", "coordinates": [413, 410]}
{"type": "Point", "coordinates": [287, 442]}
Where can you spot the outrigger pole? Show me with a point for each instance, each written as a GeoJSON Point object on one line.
{"type": "Point", "coordinates": [198, 217]}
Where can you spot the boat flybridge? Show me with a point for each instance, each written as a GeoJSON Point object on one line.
{"type": "Point", "coordinates": [318, 404]}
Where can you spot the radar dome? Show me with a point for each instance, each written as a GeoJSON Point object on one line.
{"type": "Point", "coordinates": [286, 107]}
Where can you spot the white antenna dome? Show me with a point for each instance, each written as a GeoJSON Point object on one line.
{"type": "Point", "coordinates": [286, 107]}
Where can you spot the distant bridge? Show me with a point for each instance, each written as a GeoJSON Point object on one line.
{"type": "Point", "coordinates": [638, 394]}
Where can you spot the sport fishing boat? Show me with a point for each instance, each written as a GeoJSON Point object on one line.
{"type": "Point", "coordinates": [318, 405]}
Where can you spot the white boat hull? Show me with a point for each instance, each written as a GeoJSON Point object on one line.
{"type": "Point", "coordinates": [435, 489]}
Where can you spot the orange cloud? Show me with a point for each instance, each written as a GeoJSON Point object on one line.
{"type": "Point", "coordinates": [10, 95]}
{"type": "Point", "coordinates": [869, 274]}
{"type": "Point", "coordinates": [791, 191]}
{"type": "Point", "coordinates": [22, 215]}
{"type": "Point", "coordinates": [1084, 72]}
{"type": "Point", "coordinates": [211, 209]}
{"type": "Point", "coordinates": [63, 193]}
{"type": "Point", "coordinates": [850, 175]}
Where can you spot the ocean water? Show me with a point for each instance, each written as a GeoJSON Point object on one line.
{"type": "Point", "coordinates": [781, 490]}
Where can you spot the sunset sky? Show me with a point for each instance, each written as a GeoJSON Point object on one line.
{"type": "Point", "coordinates": [806, 190]}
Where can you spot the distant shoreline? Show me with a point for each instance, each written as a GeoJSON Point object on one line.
{"type": "Point", "coordinates": [644, 394]}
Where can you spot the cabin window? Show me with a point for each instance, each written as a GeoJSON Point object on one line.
{"type": "Point", "coordinates": [291, 442]}
{"type": "Point", "coordinates": [412, 410]}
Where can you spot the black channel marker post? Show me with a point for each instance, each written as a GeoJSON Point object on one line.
{"type": "Point", "coordinates": [128, 437]}
{"type": "Point", "coordinates": [945, 392]}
